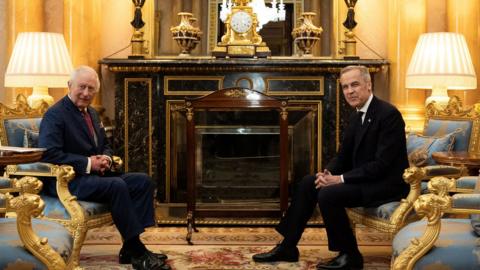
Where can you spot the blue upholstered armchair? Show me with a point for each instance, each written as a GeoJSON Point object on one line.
{"type": "Point", "coordinates": [446, 129]}
{"type": "Point", "coordinates": [19, 127]}
{"type": "Point", "coordinates": [27, 243]}
{"type": "Point", "coordinates": [441, 243]}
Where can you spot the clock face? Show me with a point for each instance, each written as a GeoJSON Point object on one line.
{"type": "Point", "coordinates": [241, 22]}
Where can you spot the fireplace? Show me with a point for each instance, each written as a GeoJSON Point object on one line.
{"type": "Point", "coordinates": [150, 122]}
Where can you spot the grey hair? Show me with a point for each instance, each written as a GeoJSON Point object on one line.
{"type": "Point", "coordinates": [81, 69]}
{"type": "Point", "coordinates": [363, 72]}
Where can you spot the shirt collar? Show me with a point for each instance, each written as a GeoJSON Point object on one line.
{"type": "Point", "coordinates": [364, 108]}
{"type": "Point", "coordinates": [84, 110]}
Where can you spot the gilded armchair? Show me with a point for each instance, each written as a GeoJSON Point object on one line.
{"type": "Point", "coordinates": [436, 242]}
{"type": "Point", "coordinates": [27, 243]}
{"type": "Point", "coordinates": [452, 128]}
{"type": "Point", "coordinates": [19, 127]}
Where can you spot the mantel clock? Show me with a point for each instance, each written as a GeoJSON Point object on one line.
{"type": "Point", "coordinates": [241, 38]}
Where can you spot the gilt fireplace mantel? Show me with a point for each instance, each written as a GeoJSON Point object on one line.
{"type": "Point", "coordinates": [150, 125]}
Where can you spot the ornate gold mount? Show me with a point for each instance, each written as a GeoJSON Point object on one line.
{"type": "Point", "coordinates": [186, 34]}
{"type": "Point", "coordinates": [307, 34]}
{"type": "Point", "coordinates": [241, 43]}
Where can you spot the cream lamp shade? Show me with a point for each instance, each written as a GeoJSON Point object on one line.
{"type": "Point", "coordinates": [441, 61]}
{"type": "Point", "coordinates": [39, 60]}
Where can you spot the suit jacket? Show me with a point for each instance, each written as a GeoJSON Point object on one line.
{"type": "Point", "coordinates": [65, 135]}
{"type": "Point", "coordinates": [377, 158]}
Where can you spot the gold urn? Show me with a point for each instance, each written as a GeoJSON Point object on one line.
{"type": "Point", "coordinates": [307, 34]}
{"type": "Point", "coordinates": [186, 34]}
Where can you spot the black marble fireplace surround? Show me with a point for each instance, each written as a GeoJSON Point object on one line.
{"type": "Point", "coordinates": [148, 93]}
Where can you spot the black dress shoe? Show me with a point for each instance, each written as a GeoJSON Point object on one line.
{"type": "Point", "coordinates": [124, 257]}
{"type": "Point", "coordinates": [277, 254]}
{"type": "Point", "coordinates": [343, 262]}
{"type": "Point", "coordinates": [148, 261]}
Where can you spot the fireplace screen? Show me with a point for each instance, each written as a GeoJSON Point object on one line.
{"type": "Point", "coordinates": [238, 154]}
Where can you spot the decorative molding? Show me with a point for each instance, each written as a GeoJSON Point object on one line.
{"type": "Point", "coordinates": [236, 93]}
{"type": "Point", "coordinates": [454, 108]}
{"type": "Point", "coordinates": [204, 69]}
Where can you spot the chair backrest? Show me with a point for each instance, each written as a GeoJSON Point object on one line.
{"type": "Point", "coordinates": [19, 125]}
{"type": "Point", "coordinates": [441, 121]}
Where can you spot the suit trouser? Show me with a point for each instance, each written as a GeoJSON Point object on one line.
{"type": "Point", "coordinates": [332, 201]}
{"type": "Point", "coordinates": [130, 197]}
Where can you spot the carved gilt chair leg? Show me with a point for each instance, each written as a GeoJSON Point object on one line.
{"type": "Point", "coordinates": [431, 206]}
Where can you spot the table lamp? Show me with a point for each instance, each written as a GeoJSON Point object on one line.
{"type": "Point", "coordinates": [441, 61]}
{"type": "Point", "coordinates": [39, 60]}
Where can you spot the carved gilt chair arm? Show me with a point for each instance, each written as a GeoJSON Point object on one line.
{"type": "Point", "coordinates": [432, 206]}
{"type": "Point", "coordinates": [415, 175]}
{"type": "Point", "coordinates": [27, 206]}
{"type": "Point", "coordinates": [412, 176]}
{"type": "Point", "coordinates": [26, 184]}
{"type": "Point", "coordinates": [444, 170]}
{"type": "Point", "coordinates": [65, 174]}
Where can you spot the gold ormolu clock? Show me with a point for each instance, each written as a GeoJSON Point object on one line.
{"type": "Point", "coordinates": [241, 38]}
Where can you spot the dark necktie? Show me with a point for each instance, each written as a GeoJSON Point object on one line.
{"type": "Point", "coordinates": [359, 115]}
{"type": "Point", "coordinates": [88, 120]}
{"type": "Point", "coordinates": [358, 128]}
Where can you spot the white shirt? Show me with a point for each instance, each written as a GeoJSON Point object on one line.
{"type": "Point", "coordinates": [365, 106]}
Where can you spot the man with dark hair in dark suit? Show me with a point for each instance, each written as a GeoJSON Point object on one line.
{"type": "Point", "coordinates": [367, 171]}
{"type": "Point", "coordinates": [72, 134]}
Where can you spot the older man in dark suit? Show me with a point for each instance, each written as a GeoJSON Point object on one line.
{"type": "Point", "coordinates": [72, 133]}
{"type": "Point", "coordinates": [367, 171]}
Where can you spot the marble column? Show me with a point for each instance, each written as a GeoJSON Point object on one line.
{"type": "Point", "coordinates": [407, 19]}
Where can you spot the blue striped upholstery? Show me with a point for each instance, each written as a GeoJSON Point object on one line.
{"type": "Point", "coordinates": [457, 247]}
{"type": "Point", "coordinates": [440, 127]}
{"type": "Point", "coordinates": [13, 255]}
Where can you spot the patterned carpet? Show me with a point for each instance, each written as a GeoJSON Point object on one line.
{"type": "Point", "coordinates": [230, 248]}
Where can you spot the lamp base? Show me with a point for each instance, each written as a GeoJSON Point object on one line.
{"type": "Point", "coordinates": [38, 96]}
{"type": "Point", "coordinates": [439, 96]}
